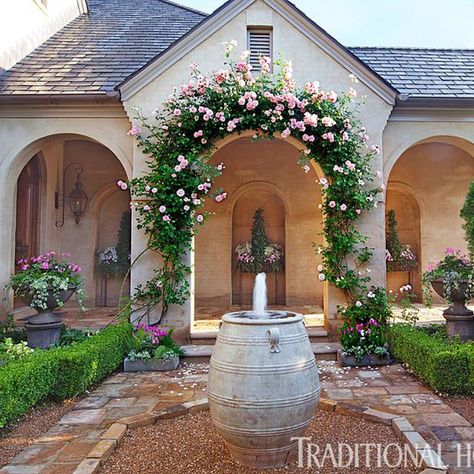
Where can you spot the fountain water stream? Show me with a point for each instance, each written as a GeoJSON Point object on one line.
{"type": "Point", "coordinates": [260, 296]}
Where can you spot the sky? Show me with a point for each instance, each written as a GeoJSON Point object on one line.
{"type": "Point", "coordinates": [410, 23]}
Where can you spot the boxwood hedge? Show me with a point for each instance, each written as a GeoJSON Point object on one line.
{"type": "Point", "coordinates": [447, 366]}
{"type": "Point", "coordinates": [60, 373]}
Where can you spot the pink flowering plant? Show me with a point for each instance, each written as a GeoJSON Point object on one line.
{"type": "Point", "coordinates": [454, 270]}
{"type": "Point", "coordinates": [180, 139]}
{"type": "Point", "coordinates": [152, 341]}
{"type": "Point", "coordinates": [363, 331]}
{"type": "Point", "coordinates": [39, 275]}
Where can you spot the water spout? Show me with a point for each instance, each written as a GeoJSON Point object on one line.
{"type": "Point", "coordinates": [260, 296]}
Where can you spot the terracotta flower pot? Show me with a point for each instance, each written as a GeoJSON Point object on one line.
{"type": "Point", "coordinates": [459, 319]}
{"type": "Point", "coordinates": [44, 329]}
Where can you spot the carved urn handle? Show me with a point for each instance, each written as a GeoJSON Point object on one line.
{"type": "Point", "coordinates": [274, 335]}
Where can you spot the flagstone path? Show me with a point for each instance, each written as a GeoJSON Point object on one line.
{"type": "Point", "coordinates": [391, 389]}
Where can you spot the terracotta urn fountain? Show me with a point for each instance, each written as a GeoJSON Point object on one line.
{"type": "Point", "coordinates": [263, 384]}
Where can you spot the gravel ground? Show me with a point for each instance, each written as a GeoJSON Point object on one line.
{"type": "Point", "coordinates": [463, 406]}
{"type": "Point", "coordinates": [31, 426]}
{"type": "Point", "coordinates": [190, 445]}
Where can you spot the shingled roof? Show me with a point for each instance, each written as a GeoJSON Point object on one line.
{"type": "Point", "coordinates": [96, 52]}
{"type": "Point", "coordinates": [423, 72]}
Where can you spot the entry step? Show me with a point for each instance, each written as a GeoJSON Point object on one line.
{"type": "Point", "coordinates": [202, 352]}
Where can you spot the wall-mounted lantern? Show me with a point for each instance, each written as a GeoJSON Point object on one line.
{"type": "Point", "coordinates": [77, 198]}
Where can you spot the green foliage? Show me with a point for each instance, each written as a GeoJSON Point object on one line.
{"type": "Point", "coordinates": [71, 336]}
{"type": "Point", "coordinates": [454, 270]}
{"type": "Point", "coordinates": [259, 255]}
{"type": "Point", "coordinates": [180, 139]}
{"type": "Point", "coordinates": [399, 256]}
{"type": "Point", "coordinates": [8, 329]}
{"type": "Point", "coordinates": [25, 383]}
{"type": "Point", "coordinates": [61, 372]}
{"type": "Point", "coordinates": [446, 365]}
{"type": "Point", "coordinates": [40, 275]}
{"type": "Point", "coordinates": [259, 240]}
{"type": "Point", "coordinates": [10, 351]}
{"type": "Point", "coordinates": [467, 213]}
{"type": "Point", "coordinates": [152, 341]}
{"type": "Point", "coordinates": [364, 325]}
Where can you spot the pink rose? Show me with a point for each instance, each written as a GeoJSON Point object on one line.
{"type": "Point", "coordinates": [332, 204]}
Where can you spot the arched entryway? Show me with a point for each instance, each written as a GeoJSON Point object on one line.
{"type": "Point", "coordinates": [260, 174]}
{"type": "Point", "coordinates": [426, 187]}
{"type": "Point", "coordinates": [48, 218]}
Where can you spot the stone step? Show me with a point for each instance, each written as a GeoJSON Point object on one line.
{"type": "Point", "coordinates": [315, 333]}
{"type": "Point", "coordinates": [202, 352]}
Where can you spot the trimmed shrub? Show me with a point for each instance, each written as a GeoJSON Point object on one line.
{"type": "Point", "coordinates": [86, 363]}
{"type": "Point", "coordinates": [446, 366]}
{"type": "Point", "coordinates": [62, 372]}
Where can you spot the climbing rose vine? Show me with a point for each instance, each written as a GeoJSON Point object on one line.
{"type": "Point", "coordinates": [180, 139]}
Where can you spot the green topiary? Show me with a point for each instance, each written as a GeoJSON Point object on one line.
{"type": "Point", "coordinates": [467, 213]}
{"type": "Point", "coordinates": [259, 240]}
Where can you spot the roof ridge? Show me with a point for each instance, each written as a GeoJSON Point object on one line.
{"type": "Point", "coordinates": [185, 7]}
{"type": "Point", "coordinates": [409, 48]}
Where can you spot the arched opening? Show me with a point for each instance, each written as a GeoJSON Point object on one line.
{"type": "Point", "coordinates": [260, 174]}
{"type": "Point", "coordinates": [243, 214]}
{"type": "Point", "coordinates": [426, 187]}
{"type": "Point", "coordinates": [46, 218]}
{"type": "Point", "coordinates": [406, 212]}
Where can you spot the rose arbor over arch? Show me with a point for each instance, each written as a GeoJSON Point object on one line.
{"type": "Point", "coordinates": [180, 140]}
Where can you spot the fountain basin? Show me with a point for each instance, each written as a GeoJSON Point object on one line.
{"type": "Point", "coordinates": [263, 385]}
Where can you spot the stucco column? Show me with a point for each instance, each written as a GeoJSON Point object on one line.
{"type": "Point", "coordinates": [372, 225]}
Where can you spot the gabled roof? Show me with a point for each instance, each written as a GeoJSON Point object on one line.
{"type": "Point", "coordinates": [121, 40]}
{"type": "Point", "coordinates": [444, 73]}
{"type": "Point", "coordinates": [97, 51]}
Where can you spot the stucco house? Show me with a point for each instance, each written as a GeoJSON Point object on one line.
{"type": "Point", "coordinates": [66, 107]}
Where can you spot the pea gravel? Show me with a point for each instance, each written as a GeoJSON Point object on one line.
{"type": "Point", "coordinates": [190, 445]}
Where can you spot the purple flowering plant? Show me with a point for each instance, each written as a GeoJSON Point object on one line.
{"type": "Point", "coordinates": [39, 275]}
{"type": "Point", "coordinates": [363, 331]}
{"type": "Point", "coordinates": [153, 341]}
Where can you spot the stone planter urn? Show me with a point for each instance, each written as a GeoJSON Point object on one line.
{"type": "Point", "coordinates": [459, 319]}
{"type": "Point", "coordinates": [263, 385]}
{"type": "Point", "coordinates": [44, 329]}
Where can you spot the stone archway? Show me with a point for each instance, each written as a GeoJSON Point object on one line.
{"type": "Point", "coordinates": [261, 173]}
{"type": "Point", "coordinates": [432, 175]}
{"type": "Point", "coordinates": [101, 166]}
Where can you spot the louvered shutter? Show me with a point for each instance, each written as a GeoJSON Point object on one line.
{"type": "Point", "coordinates": [259, 44]}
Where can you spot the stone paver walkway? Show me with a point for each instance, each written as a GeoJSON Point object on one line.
{"type": "Point", "coordinates": [391, 389]}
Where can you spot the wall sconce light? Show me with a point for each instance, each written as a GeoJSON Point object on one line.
{"type": "Point", "coordinates": [77, 198]}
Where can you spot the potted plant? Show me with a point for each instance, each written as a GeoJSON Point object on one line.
{"type": "Point", "coordinates": [153, 349]}
{"type": "Point", "coordinates": [259, 255]}
{"type": "Point", "coordinates": [453, 279]}
{"type": "Point", "coordinates": [44, 283]}
{"type": "Point", "coordinates": [399, 257]}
